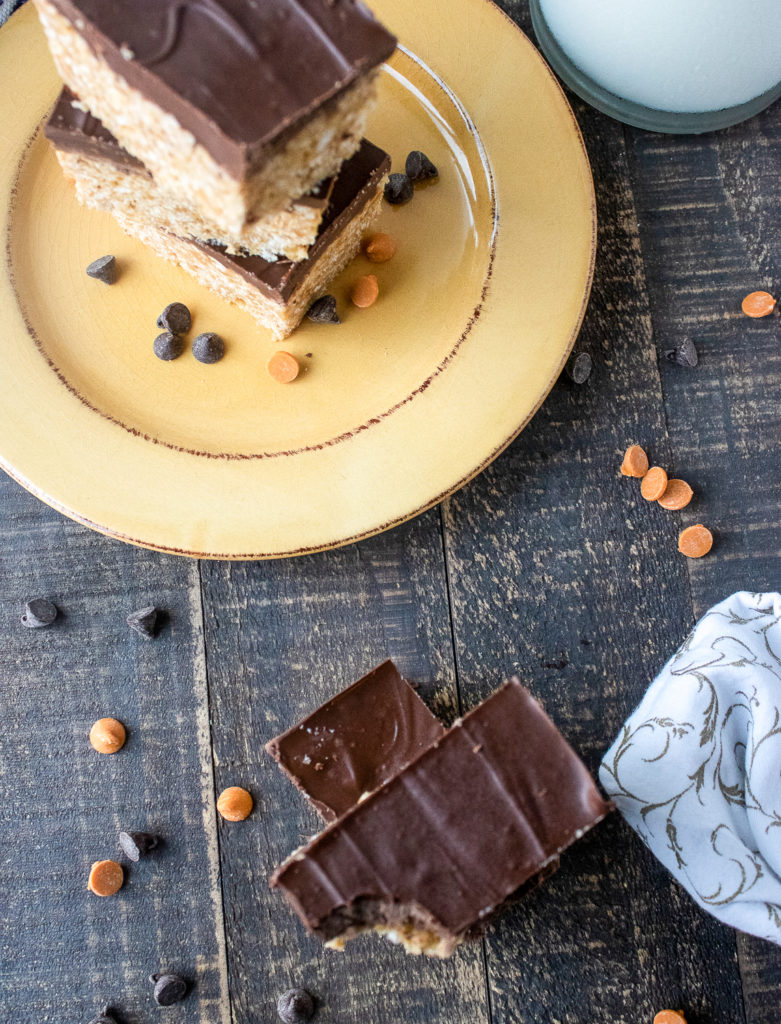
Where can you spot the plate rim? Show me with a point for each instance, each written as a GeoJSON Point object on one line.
{"type": "Point", "coordinates": [27, 11]}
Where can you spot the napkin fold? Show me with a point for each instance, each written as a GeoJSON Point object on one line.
{"type": "Point", "coordinates": [696, 769]}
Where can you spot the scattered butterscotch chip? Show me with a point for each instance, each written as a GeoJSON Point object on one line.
{"type": "Point", "coordinates": [105, 877]}
{"type": "Point", "coordinates": [635, 461]}
{"type": "Point", "coordinates": [365, 291]}
{"type": "Point", "coordinates": [283, 367]}
{"type": "Point", "coordinates": [695, 541]}
{"type": "Point", "coordinates": [669, 1017]}
{"type": "Point", "coordinates": [677, 495]}
{"type": "Point", "coordinates": [234, 803]}
{"type": "Point", "coordinates": [654, 484]}
{"type": "Point", "coordinates": [107, 735]}
{"type": "Point", "coordinates": [379, 248]}
{"type": "Point", "coordinates": [758, 304]}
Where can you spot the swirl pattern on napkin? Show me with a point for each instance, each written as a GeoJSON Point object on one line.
{"type": "Point", "coordinates": [696, 769]}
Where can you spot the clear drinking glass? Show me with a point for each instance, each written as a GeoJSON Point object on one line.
{"type": "Point", "coordinates": [679, 66]}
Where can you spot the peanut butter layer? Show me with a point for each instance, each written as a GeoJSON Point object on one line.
{"type": "Point", "coordinates": [107, 177]}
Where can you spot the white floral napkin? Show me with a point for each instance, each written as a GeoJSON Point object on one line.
{"type": "Point", "coordinates": [696, 770]}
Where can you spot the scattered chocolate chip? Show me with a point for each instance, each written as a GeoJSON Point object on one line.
{"type": "Point", "coordinates": [208, 348]}
{"type": "Point", "coordinates": [684, 354]}
{"type": "Point", "coordinates": [137, 844]}
{"type": "Point", "coordinates": [104, 1017]}
{"type": "Point", "coordinates": [398, 189]}
{"type": "Point", "coordinates": [144, 621]}
{"type": "Point", "coordinates": [295, 1006]}
{"type": "Point", "coordinates": [168, 346]}
{"type": "Point", "coordinates": [579, 368]}
{"type": "Point", "coordinates": [39, 613]}
{"type": "Point", "coordinates": [323, 311]}
{"type": "Point", "coordinates": [169, 988]}
{"type": "Point", "coordinates": [175, 318]}
{"type": "Point", "coordinates": [419, 167]}
{"type": "Point", "coordinates": [104, 269]}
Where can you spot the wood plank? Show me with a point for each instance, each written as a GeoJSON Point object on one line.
{"type": "Point", "coordinates": [281, 638]}
{"type": "Point", "coordinates": [711, 232]}
{"type": "Point", "coordinates": [63, 951]}
{"type": "Point", "coordinates": [559, 570]}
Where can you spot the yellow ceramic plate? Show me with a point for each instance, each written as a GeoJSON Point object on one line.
{"type": "Point", "coordinates": [396, 408]}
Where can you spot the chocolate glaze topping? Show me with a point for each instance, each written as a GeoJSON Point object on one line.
{"type": "Point", "coordinates": [456, 832]}
{"type": "Point", "coordinates": [71, 130]}
{"type": "Point", "coordinates": [241, 75]}
{"type": "Point", "coordinates": [357, 741]}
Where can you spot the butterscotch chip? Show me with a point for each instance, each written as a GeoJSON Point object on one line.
{"type": "Point", "coordinates": [234, 803]}
{"type": "Point", "coordinates": [677, 495]}
{"type": "Point", "coordinates": [758, 304]}
{"type": "Point", "coordinates": [669, 1017]}
{"type": "Point", "coordinates": [654, 484]}
{"type": "Point", "coordinates": [105, 877]}
{"type": "Point", "coordinates": [365, 291]}
{"type": "Point", "coordinates": [107, 735]}
{"type": "Point", "coordinates": [283, 367]}
{"type": "Point", "coordinates": [635, 461]}
{"type": "Point", "coordinates": [379, 248]}
{"type": "Point", "coordinates": [695, 541]}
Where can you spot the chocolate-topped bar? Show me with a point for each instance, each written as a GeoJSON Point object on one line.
{"type": "Point", "coordinates": [241, 105]}
{"type": "Point", "coordinates": [428, 857]}
{"type": "Point", "coordinates": [279, 293]}
{"type": "Point", "coordinates": [107, 177]}
{"type": "Point", "coordinates": [356, 741]}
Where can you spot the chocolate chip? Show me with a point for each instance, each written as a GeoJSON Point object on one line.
{"type": "Point", "coordinates": [137, 844]}
{"type": "Point", "coordinates": [579, 368]}
{"type": "Point", "coordinates": [208, 348]}
{"type": "Point", "coordinates": [175, 318]}
{"type": "Point", "coordinates": [144, 621]}
{"type": "Point", "coordinates": [419, 167]}
{"type": "Point", "coordinates": [684, 354]}
{"type": "Point", "coordinates": [323, 311]}
{"type": "Point", "coordinates": [295, 1006]}
{"type": "Point", "coordinates": [104, 269]}
{"type": "Point", "coordinates": [169, 988]}
{"type": "Point", "coordinates": [168, 346]}
{"type": "Point", "coordinates": [398, 189]}
{"type": "Point", "coordinates": [104, 1017]}
{"type": "Point", "coordinates": [39, 613]}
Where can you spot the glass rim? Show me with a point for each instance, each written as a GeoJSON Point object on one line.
{"type": "Point", "coordinates": [636, 114]}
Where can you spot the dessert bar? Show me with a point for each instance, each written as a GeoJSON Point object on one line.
{"type": "Point", "coordinates": [430, 856]}
{"type": "Point", "coordinates": [279, 293]}
{"type": "Point", "coordinates": [357, 741]}
{"type": "Point", "coordinates": [108, 178]}
{"type": "Point", "coordinates": [236, 107]}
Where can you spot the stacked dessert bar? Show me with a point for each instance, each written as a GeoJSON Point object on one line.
{"type": "Point", "coordinates": [225, 134]}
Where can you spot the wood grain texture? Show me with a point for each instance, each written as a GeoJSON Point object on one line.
{"type": "Point", "coordinates": [550, 564]}
{"type": "Point", "coordinates": [560, 570]}
{"type": "Point", "coordinates": [710, 224]}
{"type": "Point", "coordinates": [63, 951]}
{"type": "Point", "coordinates": [282, 638]}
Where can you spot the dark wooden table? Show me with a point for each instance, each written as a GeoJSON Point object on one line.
{"type": "Point", "coordinates": [549, 565]}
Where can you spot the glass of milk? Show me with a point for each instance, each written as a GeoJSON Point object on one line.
{"type": "Point", "coordinates": [666, 65]}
